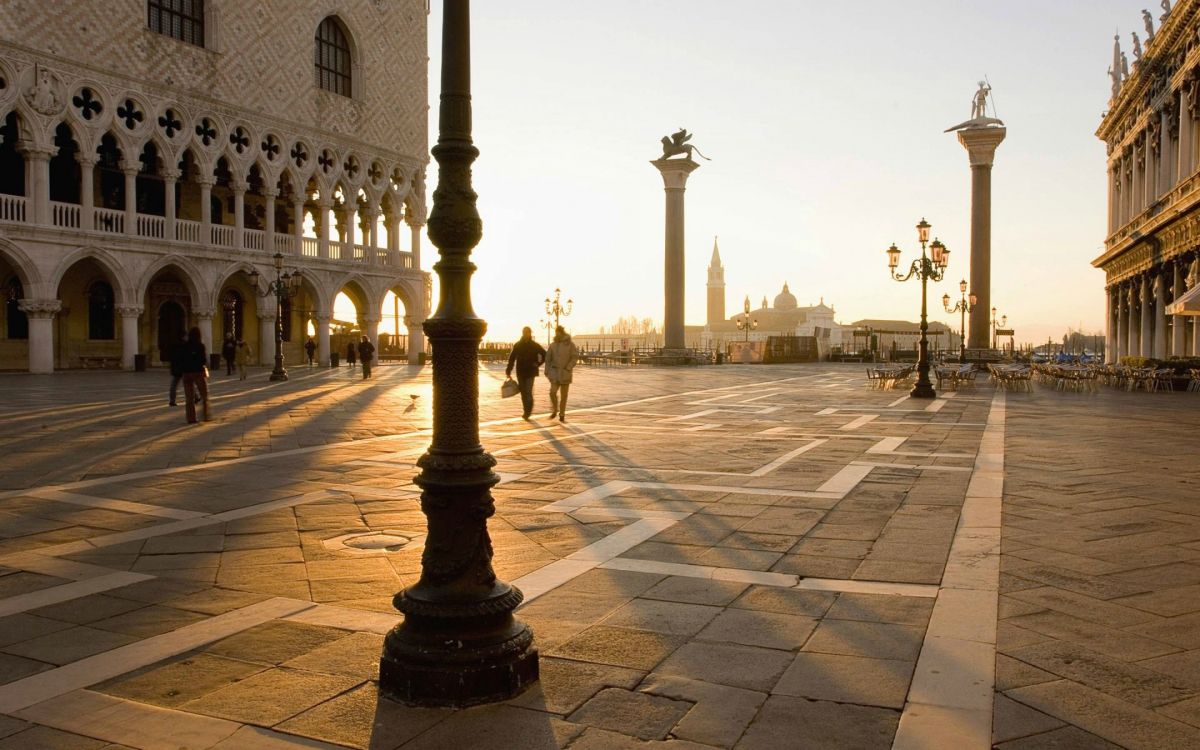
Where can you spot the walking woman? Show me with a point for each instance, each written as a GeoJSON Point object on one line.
{"type": "Point", "coordinates": [193, 361]}
{"type": "Point", "coordinates": [244, 354]}
{"type": "Point", "coordinates": [560, 364]}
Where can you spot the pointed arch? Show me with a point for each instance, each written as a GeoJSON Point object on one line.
{"type": "Point", "coordinates": [106, 261]}
{"type": "Point", "coordinates": [188, 273]}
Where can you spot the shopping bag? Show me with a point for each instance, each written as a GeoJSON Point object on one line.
{"type": "Point", "coordinates": [509, 388]}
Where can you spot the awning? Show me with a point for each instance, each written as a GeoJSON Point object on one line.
{"type": "Point", "coordinates": [1188, 304]}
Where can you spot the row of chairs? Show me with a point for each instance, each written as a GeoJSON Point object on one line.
{"type": "Point", "coordinates": [1011, 377]}
{"type": "Point", "coordinates": [1067, 378]}
{"type": "Point", "coordinates": [885, 378]}
{"type": "Point", "coordinates": [955, 377]}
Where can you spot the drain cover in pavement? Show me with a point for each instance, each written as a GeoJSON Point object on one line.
{"type": "Point", "coordinates": [376, 541]}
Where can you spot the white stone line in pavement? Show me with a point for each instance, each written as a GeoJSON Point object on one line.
{"type": "Point", "coordinates": [768, 468]}
{"type": "Point", "coordinates": [41, 562]}
{"type": "Point", "coordinates": [80, 674]}
{"type": "Point", "coordinates": [132, 724]}
{"type": "Point", "coordinates": [857, 422]}
{"type": "Point", "coordinates": [599, 493]}
{"type": "Point", "coordinates": [684, 417]}
{"type": "Point", "coordinates": [887, 446]}
{"type": "Point", "coordinates": [854, 586]}
{"type": "Point", "coordinates": [826, 412]}
{"type": "Point", "coordinates": [898, 401]}
{"type": "Point", "coordinates": [845, 480]}
{"type": "Point", "coordinates": [917, 467]}
{"type": "Point", "coordinates": [124, 506]}
{"type": "Point", "coordinates": [68, 591]}
{"type": "Point", "coordinates": [701, 427]}
{"type": "Point", "coordinates": [345, 618]}
{"type": "Point", "coordinates": [953, 685]}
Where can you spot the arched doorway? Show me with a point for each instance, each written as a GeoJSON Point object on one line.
{"type": "Point", "coordinates": [171, 322]}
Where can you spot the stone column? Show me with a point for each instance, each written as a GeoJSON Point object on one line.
{"type": "Point", "coordinates": [87, 191]}
{"type": "Point", "coordinates": [1146, 317]}
{"type": "Point", "coordinates": [416, 244]}
{"type": "Point", "coordinates": [321, 220]}
{"type": "Point", "coordinates": [41, 314]}
{"type": "Point", "coordinates": [130, 169]}
{"type": "Point", "coordinates": [266, 333]}
{"type": "Point", "coordinates": [323, 319]}
{"type": "Point", "coordinates": [1133, 348]}
{"type": "Point", "coordinates": [674, 173]}
{"type": "Point", "coordinates": [371, 236]}
{"type": "Point", "coordinates": [1122, 342]}
{"type": "Point", "coordinates": [1111, 312]}
{"type": "Point", "coordinates": [204, 321]}
{"type": "Point", "coordinates": [1178, 322]}
{"type": "Point", "coordinates": [206, 183]}
{"type": "Point", "coordinates": [269, 225]}
{"type": "Point", "coordinates": [170, 178]}
{"type": "Point", "coordinates": [348, 218]}
{"type": "Point", "coordinates": [37, 171]}
{"type": "Point", "coordinates": [416, 339]}
{"type": "Point", "coordinates": [1159, 285]}
{"type": "Point", "coordinates": [370, 326]}
{"type": "Point", "coordinates": [298, 224]}
{"type": "Point", "coordinates": [981, 144]}
{"type": "Point", "coordinates": [129, 333]}
{"type": "Point", "coordinates": [1184, 166]}
{"type": "Point", "coordinates": [239, 212]}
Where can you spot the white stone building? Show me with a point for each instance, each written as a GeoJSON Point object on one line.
{"type": "Point", "coordinates": [155, 153]}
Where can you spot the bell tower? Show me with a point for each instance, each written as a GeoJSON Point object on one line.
{"type": "Point", "coordinates": [716, 288]}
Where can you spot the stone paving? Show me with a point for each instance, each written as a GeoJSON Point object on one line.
{"type": "Point", "coordinates": [732, 557]}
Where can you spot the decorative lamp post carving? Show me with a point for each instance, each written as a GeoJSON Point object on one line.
{"type": "Point", "coordinates": [459, 643]}
{"type": "Point", "coordinates": [557, 309]}
{"type": "Point", "coordinates": [930, 266]}
{"type": "Point", "coordinates": [962, 307]}
{"type": "Point", "coordinates": [285, 286]}
{"type": "Point", "coordinates": [746, 323]}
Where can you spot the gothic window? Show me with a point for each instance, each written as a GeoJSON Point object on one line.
{"type": "Point", "coordinates": [16, 323]}
{"type": "Point", "coordinates": [331, 54]}
{"type": "Point", "coordinates": [100, 312]}
{"type": "Point", "coordinates": [178, 19]}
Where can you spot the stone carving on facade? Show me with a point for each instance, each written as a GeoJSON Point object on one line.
{"type": "Point", "coordinates": [44, 92]}
{"type": "Point", "coordinates": [1139, 150]}
{"type": "Point", "coordinates": [1170, 110]}
{"type": "Point", "coordinates": [677, 144]}
{"type": "Point", "coordinates": [1154, 134]}
{"type": "Point", "coordinates": [1137, 48]}
{"type": "Point", "coordinates": [40, 308]}
{"type": "Point", "coordinates": [1149, 21]}
{"type": "Point", "coordinates": [1166, 6]}
{"type": "Point", "coordinates": [1191, 89]}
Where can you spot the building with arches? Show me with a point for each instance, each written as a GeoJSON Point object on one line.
{"type": "Point", "coordinates": [155, 156]}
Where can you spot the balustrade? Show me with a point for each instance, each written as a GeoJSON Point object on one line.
{"type": "Point", "coordinates": [12, 208]}
{"type": "Point", "coordinates": [285, 243]}
{"type": "Point", "coordinates": [149, 225]}
{"type": "Point", "coordinates": [311, 246]}
{"type": "Point", "coordinates": [187, 230]}
{"type": "Point", "coordinates": [222, 235]}
{"type": "Point", "coordinates": [64, 214]}
{"type": "Point", "coordinates": [253, 239]}
{"type": "Point", "coordinates": [108, 220]}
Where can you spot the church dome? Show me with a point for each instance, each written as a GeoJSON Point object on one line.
{"type": "Point", "coordinates": [785, 300]}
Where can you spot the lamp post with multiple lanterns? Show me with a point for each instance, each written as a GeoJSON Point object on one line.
{"type": "Point", "coordinates": [1003, 323]}
{"type": "Point", "coordinates": [557, 309]}
{"type": "Point", "coordinates": [930, 266]}
{"type": "Point", "coordinates": [746, 323]}
{"type": "Point", "coordinates": [963, 306]}
{"type": "Point", "coordinates": [285, 286]}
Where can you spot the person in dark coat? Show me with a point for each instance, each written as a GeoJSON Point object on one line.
{"type": "Point", "coordinates": [310, 348]}
{"type": "Point", "coordinates": [229, 353]}
{"type": "Point", "coordinates": [366, 354]}
{"type": "Point", "coordinates": [175, 357]}
{"type": "Point", "coordinates": [351, 354]}
{"type": "Point", "coordinates": [193, 361]}
{"type": "Point", "coordinates": [527, 355]}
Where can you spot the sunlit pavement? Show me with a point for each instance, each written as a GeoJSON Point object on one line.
{"type": "Point", "coordinates": [739, 556]}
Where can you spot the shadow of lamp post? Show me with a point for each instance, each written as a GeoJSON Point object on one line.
{"type": "Point", "coordinates": [459, 643]}
{"type": "Point", "coordinates": [285, 286]}
{"type": "Point", "coordinates": [962, 307]}
{"type": "Point", "coordinates": [930, 266]}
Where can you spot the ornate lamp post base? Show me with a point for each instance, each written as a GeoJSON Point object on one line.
{"type": "Point", "coordinates": [277, 375]}
{"type": "Point", "coordinates": [923, 390]}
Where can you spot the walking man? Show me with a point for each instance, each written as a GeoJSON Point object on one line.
{"type": "Point", "coordinates": [194, 362]}
{"type": "Point", "coordinates": [366, 353]}
{"type": "Point", "coordinates": [527, 355]}
{"type": "Point", "coordinates": [229, 353]}
{"type": "Point", "coordinates": [310, 348]}
{"type": "Point", "coordinates": [560, 363]}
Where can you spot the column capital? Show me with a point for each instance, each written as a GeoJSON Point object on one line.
{"type": "Point", "coordinates": [129, 311]}
{"type": "Point", "coordinates": [675, 172]}
{"type": "Point", "coordinates": [130, 168]}
{"type": "Point", "coordinates": [372, 319]}
{"type": "Point", "coordinates": [35, 151]}
{"type": "Point", "coordinates": [239, 187]}
{"type": "Point", "coordinates": [206, 181]}
{"type": "Point", "coordinates": [324, 203]}
{"type": "Point", "coordinates": [207, 314]}
{"type": "Point", "coordinates": [270, 192]}
{"type": "Point", "coordinates": [86, 160]}
{"type": "Point", "coordinates": [40, 308]}
{"type": "Point", "coordinates": [266, 315]}
{"type": "Point", "coordinates": [172, 174]}
{"type": "Point", "coordinates": [322, 317]}
{"type": "Point", "coordinates": [981, 143]}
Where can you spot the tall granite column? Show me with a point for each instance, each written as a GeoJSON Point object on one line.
{"type": "Point", "coordinates": [674, 173]}
{"type": "Point", "coordinates": [1122, 343]}
{"type": "Point", "coordinates": [981, 143]}
{"type": "Point", "coordinates": [459, 643]}
{"type": "Point", "coordinates": [1111, 311]}
{"type": "Point", "coordinates": [1146, 316]}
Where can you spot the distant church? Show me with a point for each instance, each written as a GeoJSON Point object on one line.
{"type": "Point", "coordinates": [784, 317]}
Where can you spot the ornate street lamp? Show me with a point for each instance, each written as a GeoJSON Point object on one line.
{"type": "Point", "coordinates": [549, 326]}
{"type": "Point", "coordinates": [1003, 322]}
{"type": "Point", "coordinates": [285, 286]}
{"type": "Point", "coordinates": [963, 306]}
{"type": "Point", "coordinates": [459, 643]}
{"type": "Point", "coordinates": [555, 308]}
{"type": "Point", "coordinates": [931, 266]}
{"type": "Point", "coordinates": [746, 324]}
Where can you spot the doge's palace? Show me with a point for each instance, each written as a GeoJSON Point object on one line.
{"type": "Point", "coordinates": [156, 155]}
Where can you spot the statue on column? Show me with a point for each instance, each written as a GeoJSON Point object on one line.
{"type": "Point", "coordinates": [979, 118]}
{"type": "Point", "coordinates": [1166, 6]}
{"type": "Point", "coordinates": [1137, 47]}
{"type": "Point", "coordinates": [1149, 21]}
{"type": "Point", "coordinates": [1124, 66]}
{"type": "Point", "coordinates": [677, 143]}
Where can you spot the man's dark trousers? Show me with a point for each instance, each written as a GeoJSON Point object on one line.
{"type": "Point", "coordinates": [526, 384]}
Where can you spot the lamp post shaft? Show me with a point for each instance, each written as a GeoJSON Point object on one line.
{"type": "Point", "coordinates": [923, 388]}
{"type": "Point", "coordinates": [459, 643]}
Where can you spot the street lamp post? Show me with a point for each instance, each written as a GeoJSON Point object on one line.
{"type": "Point", "coordinates": [746, 323]}
{"type": "Point", "coordinates": [458, 643]}
{"type": "Point", "coordinates": [931, 266]}
{"type": "Point", "coordinates": [285, 286]}
{"type": "Point", "coordinates": [555, 308]}
{"type": "Point", "coordinates": [1003, 322]}
{"type": "Point", "coordinates": [962, 307]}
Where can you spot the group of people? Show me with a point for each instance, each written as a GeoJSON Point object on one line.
{"type": "Point", "coordinates": [559, 360]}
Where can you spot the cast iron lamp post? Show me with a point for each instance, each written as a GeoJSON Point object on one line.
{"type": "Point", "coordinates": [926, 268]}
{"type": "Point", "coordinates": [746, 324]}
{"type": "Point", "coordinates": [963, 306]}
{"type": "Point", "coordinates": [1003, 322]}
{"type": "Point", "coordinates": [555, 308]}
{"type": "Point", "coordinates": [459, 643]}
{"type": "Point", "coordinates": [285, 286]}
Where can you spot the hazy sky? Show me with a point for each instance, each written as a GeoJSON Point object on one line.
{"type": "Point", "coordinates": [824, 123]}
